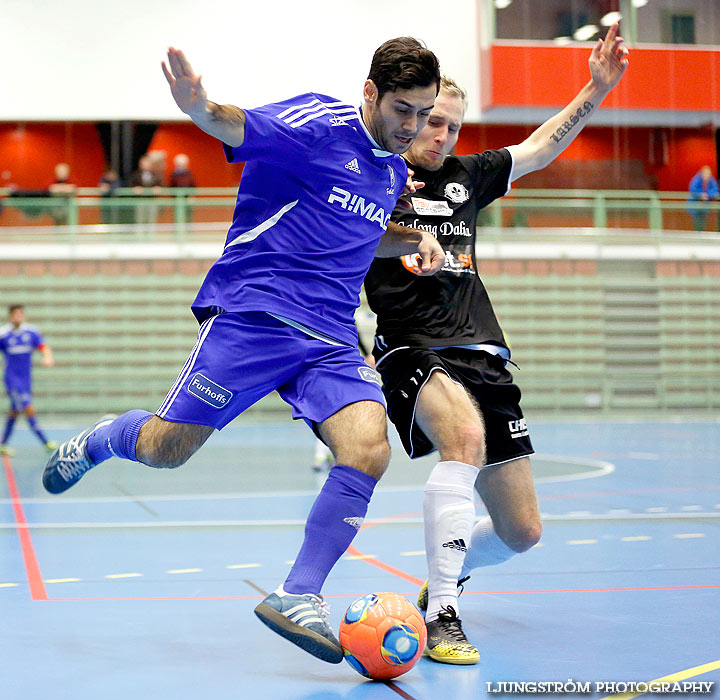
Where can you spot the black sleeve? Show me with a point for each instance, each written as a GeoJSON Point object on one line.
{"type": "Point", "coordinates": [490, 173]}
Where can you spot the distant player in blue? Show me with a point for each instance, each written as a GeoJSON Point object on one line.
{"type": "Point", "coordinates": [276, 310]}
{"type": "Point", "coordinates": [18, 342]}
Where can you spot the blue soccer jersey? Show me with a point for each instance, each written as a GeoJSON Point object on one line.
{"type": "Point", "coordinates": [314, 200]}
{"type": "Point", "coordinates": [18, 345]}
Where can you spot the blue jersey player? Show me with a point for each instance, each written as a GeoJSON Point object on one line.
{"type": "Point", "coordinates": [276, 310]}
{"type": "Point", "coordinates": [18, 342]}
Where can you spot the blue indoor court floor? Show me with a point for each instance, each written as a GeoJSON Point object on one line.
{"type": "Point", "coordinates": [141, 583]}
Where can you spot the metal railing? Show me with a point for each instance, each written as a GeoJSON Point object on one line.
{"type": "Point", "coordinates": [193, 214]}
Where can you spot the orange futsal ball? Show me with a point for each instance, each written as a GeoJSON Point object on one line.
{"type": "Point", "coordinates": [383, 635]}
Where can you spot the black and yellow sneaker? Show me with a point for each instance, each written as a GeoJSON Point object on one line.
{"type": "Point", "coordinates": [446, 642]}
{"type": "Point", "coordinates": [422, 600]}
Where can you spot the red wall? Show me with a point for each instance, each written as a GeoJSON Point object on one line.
{"type": "Point", "coordinates": [30, 151]}
{"type": "Point", "coordinates": [657, 78]}
{"type": "Point", "coordinates": [687, 149]}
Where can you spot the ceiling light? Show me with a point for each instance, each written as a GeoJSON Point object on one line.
{"type": "Point", "coordinates": [639, 3]}
{"type": "Point", "coordinates": [610, 18]}
{"type": "Point", "coordinates": [502, 4]}
{"type": "Point", "coordinates": [587, 31]}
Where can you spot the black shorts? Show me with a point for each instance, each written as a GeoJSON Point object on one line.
{"type": "Point", "coordinates": [405, 371]}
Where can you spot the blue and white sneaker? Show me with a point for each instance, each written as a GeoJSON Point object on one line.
{"type": "Point", "coordinates": [70, 461]}
{"type": "Point", "coordinates": [301, 619]}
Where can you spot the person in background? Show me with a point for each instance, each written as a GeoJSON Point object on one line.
{"type": "Point", "coordinates": [181, 175]}
{"type": "Point", "coordinates": [108, 183]}
{"type": "Point", "coordinates": [18, 341]}
{"type": "Point", "coordinates": [146, 183]}
{"type": "Point", "coordinates": [158, 165]}
{"type": "Point", "coordinates": [703, 189]}
{"type": "Point", "coordinates": [144, 176]}
{"type": "Point", "coordinates": [62, 186]}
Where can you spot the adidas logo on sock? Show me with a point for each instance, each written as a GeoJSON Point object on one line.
{"type": "Point", "coordinates": [353, 165]}
{"type": "Point", "coordinates": [354, 522]}
{"type": "Point", "coordinates": [456, 544]}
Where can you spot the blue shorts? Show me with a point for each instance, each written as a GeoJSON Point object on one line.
{"type": "Point", "coordinates": [241, 357]}
{"type": "Point", "coordinates": [20, 397]}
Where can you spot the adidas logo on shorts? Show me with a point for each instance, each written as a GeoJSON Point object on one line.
{"type": "Point", "coordinates": [354, 166]}
{"type": "Point", "coordinates": [456, 544]}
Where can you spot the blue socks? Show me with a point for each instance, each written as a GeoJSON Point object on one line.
{"type": "Point", "coordinates": [119, 438]}
{"type": "Point", "coordinates": [8, 429]}
{"type": "Point", "coordinates": [32, 421]}
{"type": "Point", "coordinates": [334, 520]}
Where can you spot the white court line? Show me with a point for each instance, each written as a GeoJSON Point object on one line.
{"type": "Point", "coordinates": [597, 468]}
{"type": "Point", "coordinates": [301, 523]}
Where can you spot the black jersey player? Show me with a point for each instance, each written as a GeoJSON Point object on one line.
{"type": "Point", "coordinates": [442, 355]}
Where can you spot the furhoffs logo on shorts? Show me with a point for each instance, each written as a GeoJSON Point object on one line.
{"type": "Point", "coordinates": [208, 391]}
{"type": "Point", "coordinates": [368, 374]}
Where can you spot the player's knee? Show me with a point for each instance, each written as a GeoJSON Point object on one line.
{"type": "Point", "coordinates": [472, 436]}
{"type": "Point", "coordinates": [467, 444]}
{"type": "Point", "coordinates": [525, 536]}
{"type": "Point", "coordinates": [372, 457]}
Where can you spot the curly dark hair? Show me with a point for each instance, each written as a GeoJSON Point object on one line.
{"type": "Point", "coordinates": [402, 64]}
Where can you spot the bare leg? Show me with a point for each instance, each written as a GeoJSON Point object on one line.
{"type": "Point", "coordinates": [357, 436]}
{"type": "Point", "coordinates": [509, 495]}
{"type": "Point", "coordinates": [164, 444]}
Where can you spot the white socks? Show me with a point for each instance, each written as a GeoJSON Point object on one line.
{"type": "Point", "coordinates": [449, 512]}
{"type": "Point", "coordinates": [454, 547]}
{"type": "Point", "coordinates": [486, 547]}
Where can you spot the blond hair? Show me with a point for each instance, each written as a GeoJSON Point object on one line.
{"type": "Point", "coordinates": [449, 86]}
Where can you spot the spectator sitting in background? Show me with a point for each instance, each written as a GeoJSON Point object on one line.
{"type": "Point", "coordinates": [181, 175]}
{"type": "Point", "coordinates": [703, 188]}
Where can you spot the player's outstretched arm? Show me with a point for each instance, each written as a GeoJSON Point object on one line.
{"type": "Point", "coordinates": [608, 61]}
{"type": "Point", "coordinates": [400, 240]}
{"type": "Point", "coordinates": [224, 122]}
{"type": "Point", "coordinates": [47, 356]}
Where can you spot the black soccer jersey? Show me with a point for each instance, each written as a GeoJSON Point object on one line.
{"type": "Point", "coordinates": [451, 307]}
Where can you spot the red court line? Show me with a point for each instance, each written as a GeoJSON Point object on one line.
{"type": "Point", "coordinates": [358, 595]}
{"type": "Point", "coordinates": [399, 691]}
{"type": "Point", "coordinates": [32, 570]}
{"type": "Point", "coordinates": [353, 550]}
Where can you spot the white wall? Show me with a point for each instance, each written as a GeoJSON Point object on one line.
{"type": "Point", "coordinates": [97, 60]}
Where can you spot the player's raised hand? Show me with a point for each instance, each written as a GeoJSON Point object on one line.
{"type": "Point", "coordinates": [609, 59]}
{"type": "Point", "coordinates": [186, 87]}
